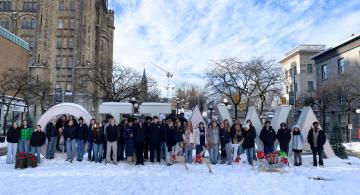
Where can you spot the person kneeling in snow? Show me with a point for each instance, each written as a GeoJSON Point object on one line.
{"type": "Point", "coordinates": [38, 139]}
{"type": "Point", "coordinates": [297, 145]}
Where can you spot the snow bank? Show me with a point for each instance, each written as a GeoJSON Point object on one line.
{"type": "Point", "coordinates": [355, 146]}
{"type": "Point", "coordinates": [58, 176]}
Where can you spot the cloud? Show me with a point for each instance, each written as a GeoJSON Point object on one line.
{"type": "Point", "coordinates": [183, 36]}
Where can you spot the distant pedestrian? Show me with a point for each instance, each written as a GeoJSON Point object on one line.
{"type": "Point", "coordinates": [317, 139]}
{"type": "Point", "coordinates": [298, 140]}
{"type": "Point", "coordinates": [38, 139]}
{"type": "Point", "coordinates": [12, 137]}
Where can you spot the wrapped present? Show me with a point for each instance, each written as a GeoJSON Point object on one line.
{"type": "Point", "coordinates": [272, 158]}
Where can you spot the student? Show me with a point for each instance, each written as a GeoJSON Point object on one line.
{"type": "Point", "coordinates": [297, 144]}
{"type": "Point", "coordinates": [163, 145]}
{"type": "Point", "coordinates": [38, 139]}
{"type": "Point", "coordinates": [129, 141]}
{"type": "Point", "coordinates": [284, 136]}
{"type": "Point", "coordinates": [179, 131]}
{"type": "Point", "coordinates": [12, 138]}
{"type": "Point", "coordinates": [139, 137]}
{"type": "Point", "coordinates": [189, 142]}
{"type": "Point", "coordinates": [317, 139]}
{"type": "Point", "coordinates": [200, 138]}
{"type": "Point", "coordinates": [226, 142]}
{"type": "Point", "coordinates": [52, 136]}
{"type": "Point", "coordinates": [146, 126]}
{"type": "Point", "coordinates": [25, 135]}
{"type": "Point", "coordinates": [249, 143]}
{"type": "Point", "coordinates": [238, 139]}
{"type": "Point", "coordinates": [252, 128]}
{"type": "Point", "coordinates": [170, 140]}
{"type": "Point", "coordinates": [121, 141]}
{"type": "Point", "coordinates": [81, 137]}
{"type": "Point", "coordinates": [70, 141]}
{"type": "Point", "coordinates": [112, 135]}
{"type": "Point", "coordinates": [155, 131]}
{"type": "Point", "coordinates": [90, 139]}
{"type": "Point", "coordinates": [268, 137]}
{"type": "Point", "coordinates": [212, 136]}
{"type": "Point", "coordinates": [99, 140]}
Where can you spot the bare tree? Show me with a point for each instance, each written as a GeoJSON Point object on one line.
{"type": "Point", "coordinates": [192, 95]}
{"type": "Point", "coordinates": [42, 95]}
{"type": "Point", "coordinates": [13, 81]}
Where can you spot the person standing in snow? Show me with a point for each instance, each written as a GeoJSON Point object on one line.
{"type": "Point", "coordinates": [297, 144]}
{"type": "Point", "coordinates": [51, 135]}
{"type": "Point", "coordinates": [170, 140]}
{"type": "Point", "coordinates": [69, 137]}
{"type": "Point", "coordinates": [189, 141]}
{"type": "Point", "coordinates": [317, 139]}
{"type": "Point", "coordinates": [212, 136]}
{"type": "Point", "coordinates": [25, 135]}
{"type": "Point", "coordinates": [38, 139]}
{"type": "Point", "coordinates": [226, 142]}
{"type": "Point", "coordinates": [112, 135]}
{"type": "Point", "coordinates": [129, 141]}
{"type": "Point", "coordinates": [284, 136]}
{"type": "Point", "coordinates": [155, 139]}
{"type": "Point", "coordinates": [90, 140]}
{"type": "Point", "coordinates": [139, 137]}
{"type": "Point", "coordinates": [200, 138]}
{"type": "Point", "coordinates": [249, 136]}
{"type": "Point", "coordinates": [163, 145]}
{"type": "Point", "coordinates": [81, 137]}
{"type": "Point", "coordinates": [179, 138]}
{"type": "Point", "coordinates": [238, 139]}
{"type": "Point", "coordinates": [252, 128]}
{"type": "Point", "coordinates": [268, 137]}
{"type": "Point", "coordinates": [121, 141]}
{"type": "Point", "coordinates": [12, 138]}
{"type": "Point", "coordinates": [99, 140]}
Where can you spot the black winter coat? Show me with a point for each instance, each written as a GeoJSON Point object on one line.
{"type": "Point", "coordinates": [179, 134]}
{"type": "Point", "coordinates": [224, 137]}
{"type": "Point", "coordinates": [283, 136]}
{"type": "Point", "coordinates": [321, 139]}
{"type": "Point", "coordinates": [129, 140]}
{"type": "Point", "coordinates": [163, 132]}
{"type": "Point", "coordinates": [99, 136]}
{"type": "Point", "coordinates": [249, 138]}
{"type": "Point", "coordinates": [13, 135]}
{"type": "Point", "coordinates": [155, 132]}
{"type": "Point", "coordinates": [82, 132]}
{"type": "Point", "coordinates": [139, 134]}
{"type": "Point", "coordinates": [170, 138]}
{"type": "Point", "coordinates": [268, 136]}
{"type": "Point", "coordinates": [70, 132]}
{"type": "Point", "coordinates": [112, 133]}
{"type": "Point", "coordinates": [38, 138]}
{"type": "Point", "coordinates": [50, 131]}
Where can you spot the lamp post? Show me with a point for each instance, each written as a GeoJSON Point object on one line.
{"type": "Point", "coordinates": [226, 101]}
{"type": "Point", "coordinates": [211, 109]}
{"type": "Point", "coordinates": [134, 103]}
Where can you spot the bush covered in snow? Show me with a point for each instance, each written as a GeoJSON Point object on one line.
{"type": "Point", "coordinates": [336, 142]}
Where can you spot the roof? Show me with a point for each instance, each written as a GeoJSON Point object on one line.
{"type": "Point", "coordinates": [304, 47]}
{"type": "Point", "coordinates": [13, 38]}
{"type": "Point", "coordinates": [355, 36]}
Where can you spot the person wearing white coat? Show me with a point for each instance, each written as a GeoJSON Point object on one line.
{"type": "Point", "coordinates": [298, 140]}
{"type": "Point", "coordinates": [189, 141]}
{"type": "Point", "coordinates": [200, 138]}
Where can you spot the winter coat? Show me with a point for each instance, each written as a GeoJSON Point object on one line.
{"type": "Point", "coordinates": [179, 132]}
{"type": "Point", "coordinates": [112, 133]}
{"type": "Point", "coordinates": [249, 138]}
{"type": "Point", "coordinates": [163, 133]}
{"type": "Point", "coordinates": [224, 137]}
{"type": "Point", "coordinates": [82, 132]}
{"type": "Point", "coordinates": [38, 139]}
{"type": "Point", "coordinates": [170, 137]}
{"type": "Point", "coordinates": [25, 133]}
{"type": "Point", "coordinates": [50, 131]}
{"type": "Point", "coordinates": [13, 135]}
{"type": "Point", "coordinates": [212, 136]}
{"type": "Point", "coordinates": [268, 136]}
{"type": "Point", "coordinates": [90, 133]}
{"type": "Point", "coordinates": [70, 132]}
{"type": "Point", "coordinates": [283, 136]}
{"type": "Point", "coordinates": [121, 129]}
{"type": "Point", "coordinates": [188, 137]}
{"type": "Point", "coordinates": [155, 132]}
{"type": "Point", "coordinates": [198, 133]}
{"type": "Point", "coordinates": [99, 136]}
{"type": "Point", "coordinates": [297, 140]}
{"type": "Point", "coordinates": [139, 134]}
{"type": "Point", "coordinates": [129, 140]}
{"type": "Point", "coordinates": [321, 139]}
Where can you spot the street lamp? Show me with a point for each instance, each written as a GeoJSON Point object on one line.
{"type": "Point", "coordinates": [226, 101]}
{"type": "Point", "coordinates": [134, 103]}
{"type": "Point", "coordinates": [211, 109]}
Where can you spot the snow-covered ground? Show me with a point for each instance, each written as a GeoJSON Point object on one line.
{"type": "Point", "coordinates": [60, 177]}
{"type": "Point", "coordinates": [355, 146]}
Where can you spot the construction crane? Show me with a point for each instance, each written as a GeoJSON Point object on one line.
{"type": "Point", "coordinates": [169, 75]}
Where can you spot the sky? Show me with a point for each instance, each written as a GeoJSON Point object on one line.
{"type": "Point", "coordinates": [185, 36]}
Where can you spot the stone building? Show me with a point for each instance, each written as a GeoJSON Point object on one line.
{"type": "Point", "coordinates": [68, 39]}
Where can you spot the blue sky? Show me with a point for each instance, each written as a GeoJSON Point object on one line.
{"type": "Point", "coordinates": [183, 36]}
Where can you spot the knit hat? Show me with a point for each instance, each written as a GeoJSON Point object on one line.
{"type": "Point", "coordinates": [296, 126]}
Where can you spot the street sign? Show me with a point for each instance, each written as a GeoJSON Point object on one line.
{"type": "Point", "coordinates": [350, 126]}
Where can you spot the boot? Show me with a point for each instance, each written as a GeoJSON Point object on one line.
{"type": "Point", "coordinates": [89, 157]}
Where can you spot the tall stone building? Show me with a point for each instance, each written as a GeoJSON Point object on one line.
{"type": "Point", "coordinates": [68, 39]}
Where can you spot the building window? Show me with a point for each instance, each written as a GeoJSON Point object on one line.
{"type": "Point", "coordinates": [30, 40]}
{"type": "Point", "coordinates": [71, 43]}
{"type": "Point", "coordinates": [72, 24]}
{"type": "Point", "coordinates": [59, 42]}
{"type": "Point", "coordinates": [311, 86]}
{"type": "Point", "coordinates": [5, 24]}
{"type": "Point", "coordinates": [341, 66]}
{"type": "Point", "coordinates": [287, 89]}
{"type": "Point", "coordinates": [58, 61]}
{"type": "Point", "coordinates": [68, 87]}
{"type": "Point", "coordinates": [61, 6]}
{"type": "Point", "coordinates": [324, 75]}
{"type": "Point", "coordinates": [309, 68]}
{"type": "Point", "coordinates": [61, 23]}
{"type": "Point", "coordinates": [28, 24]}
{"type": "Point", "coordinates": [5, 5]}
{"type": "Point", "coordinates": [30, 5]}
{"type": "Point", "coordinates": [70, 62]}
{"type": "Point", "coordinates": [72, 6]}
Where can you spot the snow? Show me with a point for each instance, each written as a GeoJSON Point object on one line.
{"type": "Point", "coordinates": [3, 145]}
{"type": "Point", "coordinates": [58, 176]}
{"type": "Point", "coordinates": [355, 146]}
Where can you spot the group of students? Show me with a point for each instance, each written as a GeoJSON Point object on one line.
{"type": "Point", "coordinates": [133, 140]}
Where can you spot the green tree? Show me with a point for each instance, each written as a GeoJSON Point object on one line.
{"type": "Point", "coordinates": [336, 142]}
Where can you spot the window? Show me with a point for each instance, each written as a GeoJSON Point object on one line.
{"type": "Point", "coordinates": [71, 43]}
{"type": "Point", "coordinates": [310, 86]}
{"type": "Point", "coordinates": [28, 24]}
{"type": "Point", "coordinates": [72, 24]}
{"type": "Point", "coordinates": [5, 5]}
{"type": "Point", "coordinates": [70, 62]}
{"type": "Point", "coordinates": [324, 75]}
{"type": "Point", "coordinates": [59, 42]}
{"type": "Point", "coordinates": [5, 24]}
{"type": "Point", "coordinates": [30, 5]}
{"type": "Point", "coordinates": [72, 6]}
{"type": "Point", "coordinates": [309, 68]}
{"type": "Point", "coordinates": [61, 6]}
{"type": "Point", "coordinates": [68, 87]}
{"type": "Point", "coordinates": [341, 66]}
{"type": "Point", "coordinates": [61, 23]}
{"type": "Point", "coordinates": [58, 61]}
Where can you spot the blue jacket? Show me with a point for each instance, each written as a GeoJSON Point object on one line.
{"type": "Point", "coordinates": [129, 140]}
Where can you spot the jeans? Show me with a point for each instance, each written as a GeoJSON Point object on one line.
{"type": "Point", "coordinates": [24, 145]}
{"type": "Point", "coordinates": [70, 149]}
{"type": "Point", "coordinates": [11, 153]}
{"type": "Point", "coordinates": [98, 152]}
{"type": "Point", "coordinates": [90, 150]}
{"type": "Point", "coordinates": [228, 149]}
{"type": "Point", "coordinates": [121, 149]}
{"type": "Point", "coordinates": [111, 146]}
{"type": "Point", "coordinates": [240, 150]}
{"type": "Point", "coordinates": [249, 154]}
{"type": "Point", "coordinates": [297, 158]}
{"type": "Point", "coordinates": [317, 151]}
{"type": "Point", "coordinates": [80, 147]}
{"type": "Point", "coordinates": [163, 151]}
{"type": "Point", "coordinates": [36, 151]}
{"type": "Point", "coordinates": [268, 149]}
{"type": "Point", "coordinates": [51, 147]}
{"type": "Point", "coordinates": [188, 153]}
{"type": "Point", "coordinates": [214, 150]}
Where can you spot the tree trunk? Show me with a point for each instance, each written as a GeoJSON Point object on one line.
{"type": "Point", "coordinates": [348, 138]}
{"type": "Point", "coordinates": [236, 110]}
{"type": "Point", "coordinates": [324, 119]}
{"type": "Point", "coordinates": [5, 117]}
{"type": "Point", "coordinates": [262, 104]}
